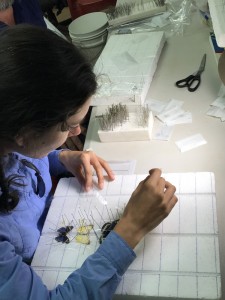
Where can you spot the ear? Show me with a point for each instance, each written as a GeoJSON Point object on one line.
{"type": "Point", "coordinates": [19, 139]}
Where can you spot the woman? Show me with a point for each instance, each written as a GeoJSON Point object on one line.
{"type": "Point", "coordinates": [45, 91]}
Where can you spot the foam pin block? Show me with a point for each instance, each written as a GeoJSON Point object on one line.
{"type": "Point", "coordinates": [128, 131]}
{"type": "Point", "coordinates": [120, 123]}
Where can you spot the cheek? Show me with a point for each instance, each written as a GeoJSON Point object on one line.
{"type": "Point", "coordinates": [54, 141]}
{"type": "Point", "coordinates": [61, 139]}
{"type": "Point", "coordinates": [41, 146]}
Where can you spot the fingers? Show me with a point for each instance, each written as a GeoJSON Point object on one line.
{"type": "Point", "coordinates": [170, 196]}
{"type": "Point", "coordinates": [99, 165]}
{"type": "Point", "coordinates": [154, 181]}
{"type": "Point", "coordinates": [80, 176]}
{"type": "Point", "coordinates": [170, 189]}
{"type": "Point", "coordinates": [98, 169]}
{"type": "Point", "coordinates": [151, 180]}
{"type": "Point", "coordinates": [87, 171]}
{"type": "Point", "coordinates": [154, 176]}
{"type": "Point", "coordinates": [160, 189]}
{"type": "Point", "coordinates": [81, 164]}
{"type": "Point", "coordinates": [107, 168]}
{"type": "Point", "coordinates": [155, 173]}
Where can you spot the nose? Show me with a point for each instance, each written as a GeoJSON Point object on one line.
{"type": "Point", "coordinates": [74, 131]}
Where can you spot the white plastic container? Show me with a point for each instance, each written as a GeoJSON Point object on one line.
{"type": "Point", "coordinates": [89, 34]}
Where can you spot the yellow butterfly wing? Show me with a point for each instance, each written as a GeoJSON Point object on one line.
{"type": "Point", "coordinates": [84, 229]}
{"type": "Point", "coordinates": [82, 239]}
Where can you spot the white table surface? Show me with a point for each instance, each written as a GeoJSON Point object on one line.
{"type": "Point", "coordinates": [180, 57]}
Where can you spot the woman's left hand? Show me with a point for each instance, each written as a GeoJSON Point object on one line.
{"type": "Point", "coordinates": [81, 164]}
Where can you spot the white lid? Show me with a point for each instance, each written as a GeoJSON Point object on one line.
{"type": "Point", "coordinates": [88, 37]}
{"type": "Point", "coordinates": [89, 24]}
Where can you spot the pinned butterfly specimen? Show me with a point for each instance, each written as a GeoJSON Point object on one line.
{"type": "Point", "coordinates": [62, 234]}
{"type": "Point", "coordinates": [82, 239]}
{"type": "Point", "coordinates": [106, 228]}
{"type": "Point", "coordinates": [83, 232]}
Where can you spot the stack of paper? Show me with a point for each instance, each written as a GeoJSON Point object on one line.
{"type": "Point", "coordinates": [126, 67]}
{"type": "Point", "coordinates": [173, 114]}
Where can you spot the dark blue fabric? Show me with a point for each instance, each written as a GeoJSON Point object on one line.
{"type": "Point", "coordinates": [27, 12]}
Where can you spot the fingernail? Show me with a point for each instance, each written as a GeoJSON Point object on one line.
{"type": "Point", "coordinates": [113, 175]}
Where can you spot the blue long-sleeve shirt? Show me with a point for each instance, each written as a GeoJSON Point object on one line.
{"type": "Point", "coordinates": [20, 230]}
{"type": "Point", "coordinates": [27, 11]}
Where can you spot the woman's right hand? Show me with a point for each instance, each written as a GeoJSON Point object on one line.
{"type": "Point", "coordinates": [149, 205]}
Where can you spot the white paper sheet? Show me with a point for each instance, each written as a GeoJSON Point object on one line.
{"type": "Point", "coordinates": [191, 142]}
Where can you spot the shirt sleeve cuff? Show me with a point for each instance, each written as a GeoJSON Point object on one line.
{"type": "Point", "coordinates": [115, 249]}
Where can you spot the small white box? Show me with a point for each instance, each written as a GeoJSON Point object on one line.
{"type": "Point", "coordinates": [128, 131]}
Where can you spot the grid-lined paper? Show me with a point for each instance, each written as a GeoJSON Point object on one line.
{"type": "Point", "coordinates": [178, 259]}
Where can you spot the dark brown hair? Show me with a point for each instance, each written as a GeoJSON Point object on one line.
{"type": "Point", "coordinates": [43, 80]}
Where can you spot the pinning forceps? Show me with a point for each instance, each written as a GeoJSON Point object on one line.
{"type": "Point", "coordinates": [193, 81]}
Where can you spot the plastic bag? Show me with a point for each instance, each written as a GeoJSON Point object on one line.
{"type": "Point", "coordinates": [179, 15]}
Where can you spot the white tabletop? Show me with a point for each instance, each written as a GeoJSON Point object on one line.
{"type": "Point", "coordinates": [180, 57]}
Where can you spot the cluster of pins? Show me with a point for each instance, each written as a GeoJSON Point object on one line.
{"type": "Point", "coordinates": [108, 225]}
{"type": "Point", "coordinates": [121, 10]}
{"type": "Point", "coordinates": [142, 116]}
{"type": "Point", "coordinates": [128, 8]}
{"type": "Point", "coordinates": [115, 115]}
{"type": "Point", "coordinates": [159, 2]}
{"type": "Point", "coordinates": [80, 230]}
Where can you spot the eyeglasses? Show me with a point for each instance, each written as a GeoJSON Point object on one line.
{"type": "Point", "coordinates": [40, 190]}
{"type": "Point", "coordinates": [72, 129]}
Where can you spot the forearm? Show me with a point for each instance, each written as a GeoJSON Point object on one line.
{"type": "Point", "coordinates": [56, 168]}
{"type": "Point", "coordinates": [129, 232]}
{"type": "Point", "coordinates": [98, 277]}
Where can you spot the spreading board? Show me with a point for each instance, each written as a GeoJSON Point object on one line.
{"type": "Point", "coordinates": [178, 259]}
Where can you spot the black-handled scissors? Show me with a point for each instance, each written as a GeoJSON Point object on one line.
{"type": "Point", "coordinates": [193, 81]}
